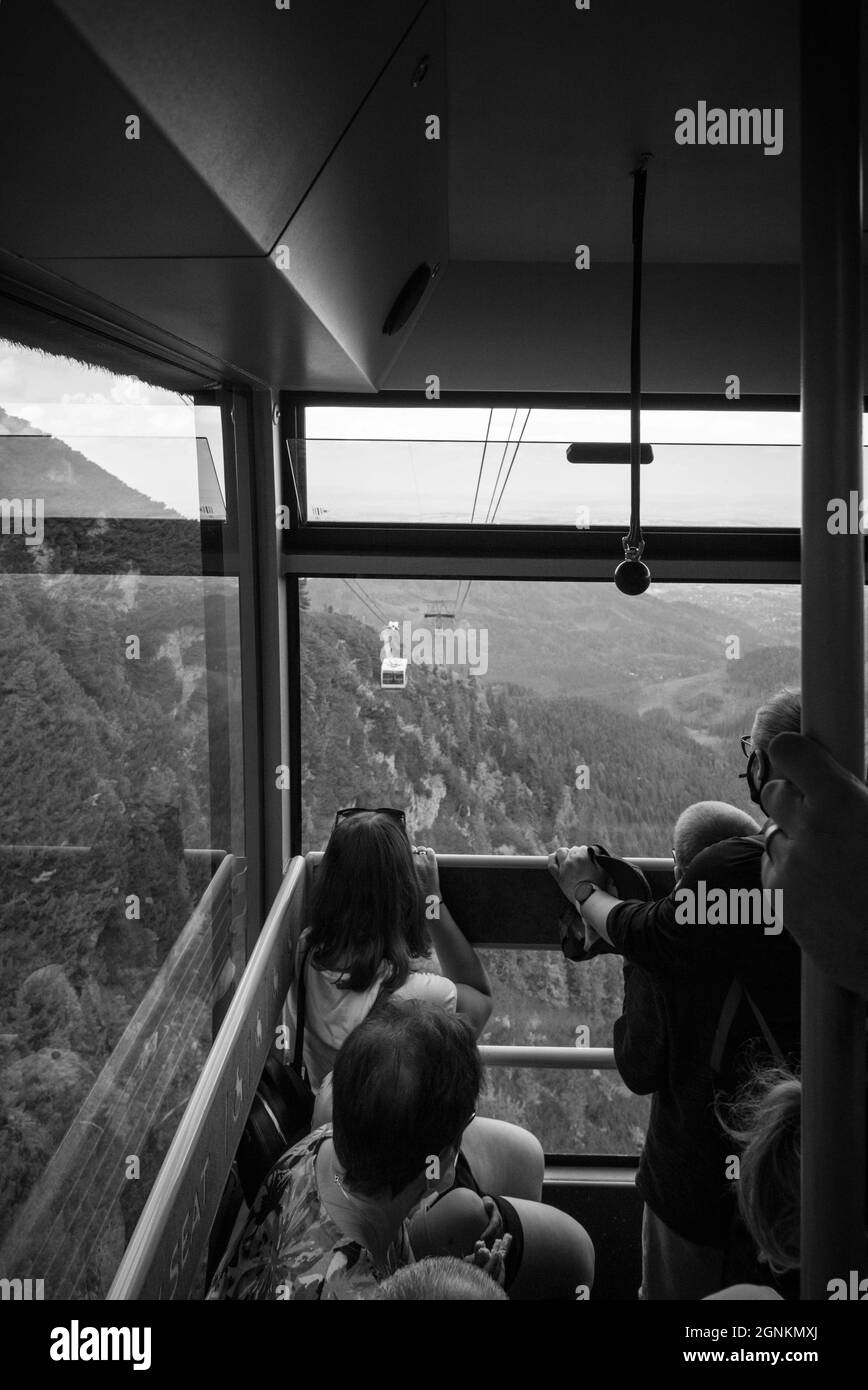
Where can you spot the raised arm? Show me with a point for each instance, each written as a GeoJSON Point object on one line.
{"type": "Point", "coordinates": [458, 960]}
{"type": "Point", "coordinates": [646, 933]}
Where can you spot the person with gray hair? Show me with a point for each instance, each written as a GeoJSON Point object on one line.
{"type": "Point", "coordinates": [714, 986]}
{"type": "Point", "coordinates": [706, 823]}
{"type": "Point", "coordinates": [815, 855]}
{"type": "Point", "coordinates": [442, 1278]}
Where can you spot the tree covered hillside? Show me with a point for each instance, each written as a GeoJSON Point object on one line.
{"type": "Point", "coordinates": [106, 780]}
{"type": "Point", "coordinates": [482, 768]}
{"type": "Point", "coordinates": [35, 464]}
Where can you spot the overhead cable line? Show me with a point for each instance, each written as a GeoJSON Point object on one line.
{"type": "Point", "coordinates": [500, 465]}
{"type": "Point", "coordinates": [509, 470]}
{"type": "Point", "coordinates": [481, 464]}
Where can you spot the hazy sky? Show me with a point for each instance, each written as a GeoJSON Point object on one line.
{"type": "Point", "coordinates": [142, 435]}
{"type": "Point", "coordinates": [710, 468]}
{"type": "Point", "coordinates": [723, 467]}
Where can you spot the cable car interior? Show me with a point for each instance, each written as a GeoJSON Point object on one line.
{"type": "Point", "coordinates": [350, 351]}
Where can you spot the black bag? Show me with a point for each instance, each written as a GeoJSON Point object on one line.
{"type": "Point", "coordinates": [630, 883]}
{"type": "Point", "coordinates": [282, 1108]}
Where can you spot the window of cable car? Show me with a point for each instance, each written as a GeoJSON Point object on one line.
{"type": "Point", "coordinates": [531, 715]}
{"type": "Point", "coordinates": [510, 466]}
{"type": "Point", "coordinates": [121, 801]}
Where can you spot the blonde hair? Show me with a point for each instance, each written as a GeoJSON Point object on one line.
{"type": "Point", "coordinates": [766, 1120]}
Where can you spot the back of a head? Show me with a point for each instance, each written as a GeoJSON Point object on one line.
{"type": "Point", "coordinates": [443, 1278]}
{"type": "Point", "coordinates": [367, 906]}
{"type": "Point", "coordinates": [766, 1120]}
{"type": "Point", "coordinates": [405, 1085]}
{"type": "Point", "coordinates": [707, 823]}
{"type": "Point", "coordinates": [779, 715]}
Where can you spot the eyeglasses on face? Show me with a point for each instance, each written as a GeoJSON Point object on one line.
{"type": "Point", "coordinates": [390, 811]}
{"type": "Point", "coordinates": [746, 744]}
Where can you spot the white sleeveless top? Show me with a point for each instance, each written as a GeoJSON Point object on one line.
{"type": "Point", "coordinates": [331, 1013]}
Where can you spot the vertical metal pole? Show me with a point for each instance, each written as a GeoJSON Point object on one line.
{"type": "Point", "coordinates": [295, 494]}
{"type": "Point", "coordinates": [243, 488]}
{"type": "Point", "coordinates": [273, 651]}
{"type": "Point", "coordinates": [640, 178]}
{"type": "Point", "coordinates": [833, 1020]}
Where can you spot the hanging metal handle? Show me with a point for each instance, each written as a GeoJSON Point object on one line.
{"type": "Point", "coordinates": [634, 543]}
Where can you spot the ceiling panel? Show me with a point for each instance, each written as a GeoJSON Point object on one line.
{"type": "Point", "coordinates": [550, 106]}
{"type": "Point", "coordinates": [253, 97]}
{"type": "Point", "coordinates": [379, 208]}
{"type": "Point", "coordinates": [499, 326]}
{"type": "Point", "coordinates": [242, 313]}
{"type": "Point", "coordinates": [73, 184]}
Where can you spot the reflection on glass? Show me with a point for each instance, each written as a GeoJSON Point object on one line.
{"type": "Point", "coordinates": [121, 920]}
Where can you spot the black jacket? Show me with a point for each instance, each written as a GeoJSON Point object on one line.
{"type": "Point", "coordinates": [677, 978]}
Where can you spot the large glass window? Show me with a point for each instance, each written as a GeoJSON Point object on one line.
{"type": "Point", "coordinates": [509, 466]}
{"type": "Point", "coordinates": [121, 835]}
{"type": "Point", "coordinates": [533, 715]}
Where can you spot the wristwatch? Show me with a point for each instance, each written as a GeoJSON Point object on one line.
{"type": "Point", "coordinates": [584, 888]}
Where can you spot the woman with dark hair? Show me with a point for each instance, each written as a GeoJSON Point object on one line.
{"type": "Point", "coordinates": [373, 899]}
{"type": "Point", "coordinates": [377, 909]}
{"type": "Point", "coordinates": [333, 1217]}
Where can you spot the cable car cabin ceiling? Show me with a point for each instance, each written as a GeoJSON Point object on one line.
{"type": "Point", "coordinates": [264, 196]}
{"type": "Point", "coordinates": [254, 185]}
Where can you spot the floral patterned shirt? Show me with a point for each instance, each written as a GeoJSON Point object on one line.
{"type": "Point", "coordinates": [290, 1247]}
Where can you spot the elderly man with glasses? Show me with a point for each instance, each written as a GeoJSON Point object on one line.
{"type": "Point", "coordinates": [718, 995]}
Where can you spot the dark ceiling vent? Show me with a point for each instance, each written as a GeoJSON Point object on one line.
{"type": "Point", "coordinates": [407, 299]}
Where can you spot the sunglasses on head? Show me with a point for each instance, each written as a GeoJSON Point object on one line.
{"type": "Point", "coordinates": [372, 810]}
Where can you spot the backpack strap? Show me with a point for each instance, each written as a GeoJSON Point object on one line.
{"type": "Point", "coordinates": [731, 1004]}
{"type": "Point", "coordinates": [767, 1033]}
{"type": "Point", "coordinates": [298, 1051]}
{"type": "Point", "coordinates": [724, 1023]}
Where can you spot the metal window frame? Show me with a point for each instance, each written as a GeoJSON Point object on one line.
{"type": "Point", "coordinates": [679, 555]}
{"type": "Point", "coordinates": [832, 383]}
{"type": "Point", "coordinates": [676, 554]}
{"type": "Point", "coordinates": [265, 671]}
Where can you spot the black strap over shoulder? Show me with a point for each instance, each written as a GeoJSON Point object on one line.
{"type": "Point", "coordinates": [731, 1005]}
{"type": "Point", "coordinates": [298, 1051]}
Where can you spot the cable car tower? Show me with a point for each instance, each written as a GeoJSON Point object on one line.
{"type": "Point", "coordinates": [439, 610]}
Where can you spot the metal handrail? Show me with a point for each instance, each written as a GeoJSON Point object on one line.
{"type": "Point", "coordinates": [191, 853]}
{"type": "Point", "coordinates": [49, 1208]}
{"type": "Point", "coordinates": [170, 1189]}
{"type": "Point", "coordinates": [648, 863]}
{"type": "Point", "coordinates": [560, 1058]}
